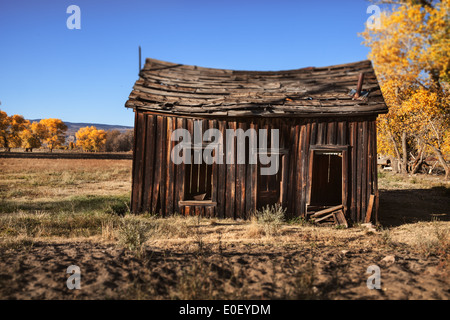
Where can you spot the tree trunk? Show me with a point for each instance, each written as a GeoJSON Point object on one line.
{"type": "Point", "coordinates": [405, 154]}
{"type": "Point", "coordinates": [397, 153]}
{"type": "Point", "coordinates": [442, 161]}
{"type": "Point", "coordinates": [418, 163]}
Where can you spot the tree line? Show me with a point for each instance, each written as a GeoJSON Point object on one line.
{"type": "Point", "coordinates": [17, 132]}
{"type": "Point", "coordinates": [411, 57]}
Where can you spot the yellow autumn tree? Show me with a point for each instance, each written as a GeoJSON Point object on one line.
{"type": "Point", "coordinates": [91, 139]}
{"type": "Point", "coordinates": [411, 56]}
{"type": "Point", "coordinates": [4, 126]}
{"type": "Point", "coordinates": [10, 128]}
{"type": "Point", "coordinates": [53, 132]}
{"type": "Point", "coordinates": [32, 136]}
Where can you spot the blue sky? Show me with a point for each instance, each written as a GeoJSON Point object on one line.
{"type": "Point", "coordinates": [86, 75]}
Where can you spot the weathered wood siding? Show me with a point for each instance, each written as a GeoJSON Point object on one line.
{"type": "Point", "coordinates": [158, 184]}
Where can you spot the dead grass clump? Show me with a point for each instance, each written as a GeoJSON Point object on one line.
{"type": "Point", "coordinates": [20, 243]}
{"type": "Point", "coordinates": [47, 225]}
{"type": "Point", "coordinates": [133, 233]}
{"type": "Point", "coordinates": [255, 230]}
{"type": "Point", "coordinates": [172, 227]}
{"type": "Point", "coordinates": [109, 228]}
{"type": "Point", "coordinates": [437, 243]}
{"type": "Point", "coordinates": [271, 218]}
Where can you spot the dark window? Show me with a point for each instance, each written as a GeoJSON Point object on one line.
{"type": "Point", "coordinates": [198, 179]}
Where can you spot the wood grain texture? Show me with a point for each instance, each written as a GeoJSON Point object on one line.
{"type": "Point", "coordinates": [195, 91]}
{"type": "Point", "coordinates": [160, 186]}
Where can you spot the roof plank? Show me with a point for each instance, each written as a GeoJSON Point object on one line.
{"type": "Point", "coordinates": [166, 87]}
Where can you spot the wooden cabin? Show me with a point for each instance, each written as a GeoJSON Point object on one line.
{"type": "Point", "coordinates": [327, 151]}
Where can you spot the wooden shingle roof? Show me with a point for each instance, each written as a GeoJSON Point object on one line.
{"type": "Point", "coordinates": [170, 88]}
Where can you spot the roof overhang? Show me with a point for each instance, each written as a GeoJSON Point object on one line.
{"type": "Point", "coordinates": [176, 89]}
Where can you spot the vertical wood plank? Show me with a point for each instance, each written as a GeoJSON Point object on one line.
{"type": "Point", "coordinates": [369, 162]}
{"type": "Point", "coordinates": [331, 133]}
{"type": "Point", "coordinates": [293, 170]}
{"type": "Point", "coordinates": [299, 173]}
{"type": "Point", "coordinates": [139, 163]}
{"type": "Point", "coordinates": [170, 167]}
{"type": "Point", "coordinates": [240, 181]}
{"type": "Point", "coordinates": [285, 165]}
{"type": "Point", "coordinates": [189, 174]}
{"type": "Point", "coordinates": [313, 138]}
{"type": "Point", "coordinates": [214, 169]}
{"type": "Point", "coordinates": [133, 165]}
{"type": "Point", "coordinates": [375, 177]}
{"type": "Point", "coordinates": [149, 163]}
{"type": "Point", "coordinates": [156, 206]}
{"type": "Point", "coordinates": [221, 173]}
{"type": "Point", "coordinates": [353, 171]}
{"type": "Point", "coordinates": [163, 163]}
{"type": "Point", "coordinates": [310, 177]}
{"type": "Point", "coordinates": [345, 181]}
{"type": "Point", "coordinates": [342, 133]}
{"type": "Point", "coordinates": [254, 178]}
{"type": "Point", "coordinates": [179, 173]}
{"type": "Point", "coordinates": [365, 152]}
{"type": "Point", "coordinates": [321, 132]}
{"type": "Point", "coordinates": [305, 162]}
{"type": "Point", "coordinates": [250, 171]}
{"type": "Point", "coordinates": [134, 168]}
{"type": "Point", "coordinates": [231, 175]}
{"type": "Point", "coordinates": [360, 139]}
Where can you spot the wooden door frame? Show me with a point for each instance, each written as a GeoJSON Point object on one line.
{"type": "Point", "coordinates": [283, 159]}
{"type": "Point", "coordinates": [330, 148]}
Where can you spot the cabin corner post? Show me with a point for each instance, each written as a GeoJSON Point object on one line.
{"type": "Point", "coordinates": [137, 166]}
{"type": "Point", "coordinates": [309, 185]}
{"type": "Point", "coordinates": [133, 165]}
{"type": "Point", "coordinates": [375, 180]}
{"type": "Point", "coordinates": [345, 180]}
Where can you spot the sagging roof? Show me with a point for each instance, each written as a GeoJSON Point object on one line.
{"type": "Point", "coordinates": [171, 88]}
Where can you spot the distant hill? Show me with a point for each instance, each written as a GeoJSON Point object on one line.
{"type": "Point", "coordinates": [73, 127]}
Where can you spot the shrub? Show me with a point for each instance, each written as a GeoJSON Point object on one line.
{"type": "Point", "coordinates": [119, 208]}
{"type": "Point", "coordinates": [271, 218]}
{"type": "Point", "coordinates": [133, 234]}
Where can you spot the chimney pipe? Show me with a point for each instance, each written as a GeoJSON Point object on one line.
{"type": "Point", "coordinates": [359, 86]}
{"type": "Point", "coordinates": [140, 59]}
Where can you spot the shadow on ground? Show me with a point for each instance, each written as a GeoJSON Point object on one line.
{"type": "Point", "coordinates": [74, 204]}
{"type": "Point", "coordinates": [399, 207]}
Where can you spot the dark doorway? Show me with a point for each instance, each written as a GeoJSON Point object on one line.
{"type": "Point", "coordinates": [269, 187]}
{"type": "Point", "coordinates": [326, 184]}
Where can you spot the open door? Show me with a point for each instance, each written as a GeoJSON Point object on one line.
{"type": "Point", "coordinates": [327, 185]}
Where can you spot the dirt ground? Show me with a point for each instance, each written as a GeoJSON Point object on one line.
{"type": "Point", "coordinates": [215, 259]}
{"type": "Point", "coordinates": [108, 272]}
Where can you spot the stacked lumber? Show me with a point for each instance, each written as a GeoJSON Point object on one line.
{"type": "Point", "coordinates": [330, 216]}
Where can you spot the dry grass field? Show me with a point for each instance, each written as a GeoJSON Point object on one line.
{"type": "Point", "coordinates": [60, 212]}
